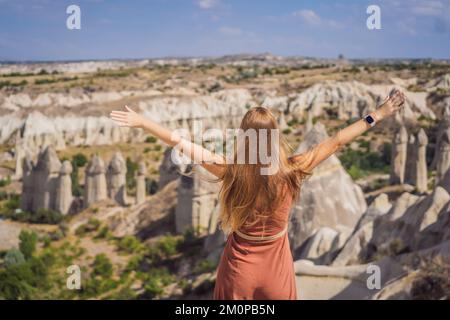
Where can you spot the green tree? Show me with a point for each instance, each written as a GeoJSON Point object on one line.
{"type": "Point", "coordinates": [102, 266]}
{"type": "Point", "coordinates": [14, 257]}
{"type": "Point", "coordinates": [13, 284]}
{"type": "Point", "coordinates": [79, 160]}
{"type": "Point", "coordinates": [132, 167]}
{"type": "Point", "coordinates": [28, 240]}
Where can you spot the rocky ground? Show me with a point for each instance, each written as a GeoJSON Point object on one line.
{"type": "Point", "coordinates": [140, 250]}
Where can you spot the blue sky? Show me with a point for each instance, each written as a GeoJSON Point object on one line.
{"type": "Point", "coordinates": [36, 29]}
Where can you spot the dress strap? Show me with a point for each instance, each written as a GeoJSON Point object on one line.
{"type": "Point", "coordinates": [262, 238]}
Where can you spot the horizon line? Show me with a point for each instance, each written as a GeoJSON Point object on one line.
{"type": "Point", "coordinates": [216, 57]}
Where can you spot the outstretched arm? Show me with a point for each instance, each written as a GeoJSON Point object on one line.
{"type": "Point", "coordinates": [209, 160]}
{"type": "Point", "coordinates": [321, 151]}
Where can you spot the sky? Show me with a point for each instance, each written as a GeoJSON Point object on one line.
{"type": "Point", "coordinates": [36, 29]}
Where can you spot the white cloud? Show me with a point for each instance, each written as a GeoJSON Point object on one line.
{"type": "Point", "coordinates": [413, 17]}
{"type": "Point", "coordinates": [313, 19]}
{"type": "Point", "coordinates": [428, 8]}
{"type": "Point", "coordinates": [230, 31]}
{"type": "Point", "coordinates": [207, 4]}
{"type": "Point", "coordinates": [309, 17]}
{"type": "Point", "coordinates": [407, 26]}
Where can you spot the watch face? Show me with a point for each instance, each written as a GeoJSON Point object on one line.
{"type": "Point", "coordinates": [370, 120]}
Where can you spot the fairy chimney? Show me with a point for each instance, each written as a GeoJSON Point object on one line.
{"type": "Point", "coordinates": [45, 178]}
{"type": "Point", "coordinates": [64, 189]}
{"type": "Point", "coordinates": [309, 121]}
{"type": "Point", "coordinates": [169, 170]}
{"type": "Point", "coordinates": [95, 181]}
{"type": "Point", "coordinates": [116, 178]}
{"type": "Point", "coordinates": [443, 160]}
{"type": "Point", "coordinates": [444, 124]}
{"type": "Point", "coordinates": [140, 183]}
{"type": "Point", "coordinates": [398, 158]}
{"type": "Point", "coordinates": [26, 200]}
{"type": "Point", "coordinates": [197, 198]}
{"type": "Point", "coordinates": [282, 124]}
{"type": "Point", "coordinates": [421, 170]}
{"type": "Point", "coordinates": [411, 161]}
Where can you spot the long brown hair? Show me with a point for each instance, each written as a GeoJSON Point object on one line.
{"type": "Point", "coordinates": [244, 187]}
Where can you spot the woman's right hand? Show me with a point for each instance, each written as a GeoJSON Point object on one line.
{"type": "Point", "coordinates": [127, 118]}
{"type": "Point", "coordinates": [393, 103]}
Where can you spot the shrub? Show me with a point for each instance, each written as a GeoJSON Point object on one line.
{"type": "Point", "coordinates": [359, 163]}
{"type": "Point", "coordinates": [102, 266]}
{"type": "Point", "coordinates": [92, 225]}
{"type": "Point", "coordinates": [28, 240]}
{"type": "Point", "coordinates": [168, 245]}
{"type": "Point", "coordinates": [79, 160]}
{"type": "Point", "coordinates": [293, 122]}
{"type": "Point", "coordinates": [150, 139]}
{"type": "Point", "coordinates": [155, 281]}
{"type": "Point", "coordinates": [164, 248]}
{"type": "Point", "coordinates": [157, 147]}
{"type": "Point", "coordinates": [132, 167]}
{"type": "Point", "coordinates": [134, 263]}
{"type": "Point", "coordinates": [12, 204]}
{"type": "Point", "coordinates": [46, 216]}
{"type": "Point", "coordinates": [432, 281]}
{"type": "Point", "coordinates": [204, 266]}
{"type": "Point", "coordinates": [14, 284]}
{"type": "Point", "coordinates": [129, 244]}
{"type": "Point", "coordinates": [103, 233]}
{"type": "Point", "coordinates": [4, 182]}
{"type": "Point", "coordinates": [27, 280]}
{"type": "Point", "coordinates": [14, 257]}
{"type": "Point", "coordinates": [355, 172]}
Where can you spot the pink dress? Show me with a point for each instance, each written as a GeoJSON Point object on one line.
{"type": "Point", "coordinates": [250, 270]}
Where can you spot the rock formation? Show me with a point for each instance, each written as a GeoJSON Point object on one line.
{"type": "Point", "coordinates": [443, 126]}
{"type": "Point", "coordinates": [443, 160]}
{"type": "Point", "coordinates": [64, 189]}
{"type": "Point", "coordinates": [320, 247]}
{"type": "Point", "coordinates": [416, 172]}
{"type": "Point", "coordinates": [168, 170]}
{"type": "Point", "coordinates": [353, 99]}
{"type": "Point", "coordinates": [116, 178]}
{"type": "Point", "coordinates": [411, 161]}
{"type": "Point", "coordinates": [140, 183]}
{"type": "Point", "coordinates": [221, 109]}
{"type": "Point", "coordinates": [329, 198]}
{"type": "Point", "coordinates": [27, 185]}
{"type": "Point", "coordinates": [398, 158]}
{"type": "Point", "coordinates": [420, 167]}
{"type": "Point", "coordinates": [95, 181]}
{"type": "Point", "coordinates": [282, 124]}
{"type": "Point", "coordinates": [309, 122]}
{"type": "Point", "coordinates": [45, 180]}
{"type": "Point", "coordinates": [197, 198]}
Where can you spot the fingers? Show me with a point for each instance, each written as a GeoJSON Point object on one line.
{"type": "Point", "coordinates": [118, 116]}
{"type": "Point", "coordinates": [119, 113]}
{"type": "Point", "coordinates": [129, 109]}
{"type": "Point", "coordinates": [120, 121]}
{"type": "Point", "coordinates": [397, 98]}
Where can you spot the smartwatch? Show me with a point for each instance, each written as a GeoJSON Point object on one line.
{"type": "Point", "coordinates": [370, 120]}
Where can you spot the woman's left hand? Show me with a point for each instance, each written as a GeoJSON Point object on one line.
{"type": "Point", "coordinates": [127, 118]}
{"type": "Point", "coordinates": [393, 103]}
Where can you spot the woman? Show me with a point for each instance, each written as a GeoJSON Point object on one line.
{"type": "Point", "coordinates": [257, 262]}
